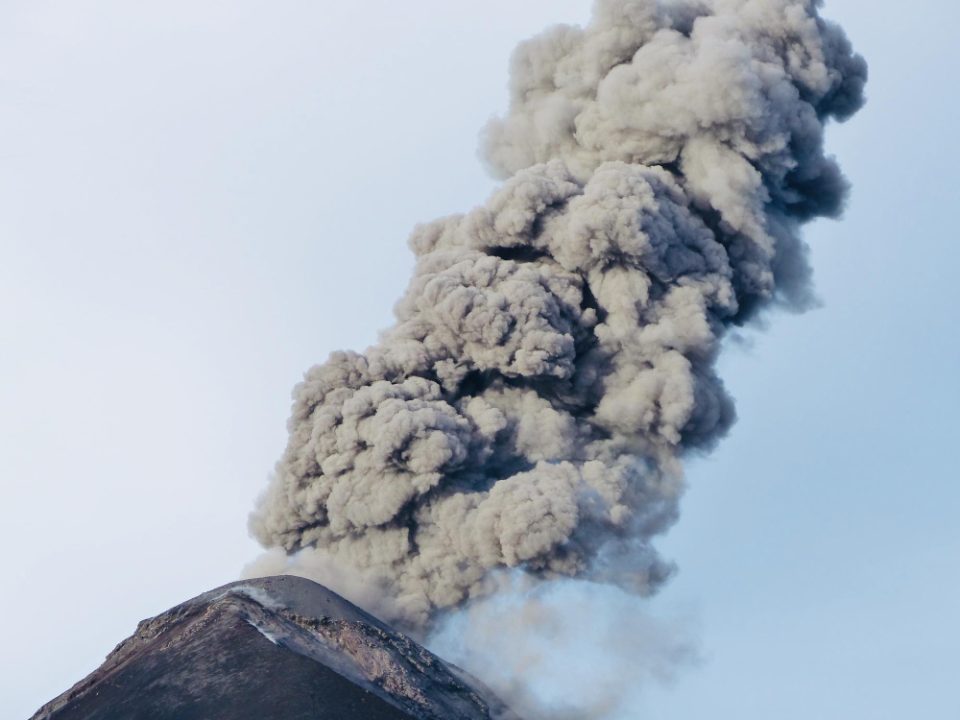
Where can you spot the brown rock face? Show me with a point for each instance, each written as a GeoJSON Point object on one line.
{"type": "Point", "coordinates": [279, 648]}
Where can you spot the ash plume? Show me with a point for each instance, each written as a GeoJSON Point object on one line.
{"type": "Point", "coordinates": [553, 359]}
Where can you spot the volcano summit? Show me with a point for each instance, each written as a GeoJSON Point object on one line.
{"type": "Point", "coordinates": [281, 647]}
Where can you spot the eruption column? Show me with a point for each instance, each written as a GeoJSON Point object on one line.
{"type": "Point", "coordinates": [554, 357]}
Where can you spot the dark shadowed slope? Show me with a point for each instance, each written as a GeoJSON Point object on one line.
{"type": "Point", "coordinates": [280, 647]}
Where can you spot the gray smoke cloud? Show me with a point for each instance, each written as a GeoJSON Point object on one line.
{"type": "Point", "coordinates": [553, 360]}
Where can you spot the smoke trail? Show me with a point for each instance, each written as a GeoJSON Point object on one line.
{"type": "Point", "coordinates": [567, 650]}
{"type": "Point", "coordinates": [553, 358]}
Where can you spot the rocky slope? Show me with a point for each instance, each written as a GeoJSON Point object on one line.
{"type": "Point", "coordinates": [280, 647]}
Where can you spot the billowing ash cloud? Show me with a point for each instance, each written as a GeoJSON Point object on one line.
{"type": "Point", "coordinates": [554, 357]}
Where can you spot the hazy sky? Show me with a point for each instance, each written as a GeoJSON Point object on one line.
{"type": "Point", "coordinates": [189, 191]}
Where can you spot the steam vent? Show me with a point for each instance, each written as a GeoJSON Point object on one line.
{"type": "Point", "coordinates": [279, 647]}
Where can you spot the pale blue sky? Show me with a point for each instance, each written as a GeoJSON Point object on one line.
{"type": "Point", "coordinates": [192, 192]}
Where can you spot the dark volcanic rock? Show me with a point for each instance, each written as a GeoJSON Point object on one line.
{"type": "Point", "coordinates": [280, 647]}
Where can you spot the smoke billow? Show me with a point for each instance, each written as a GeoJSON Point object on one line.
{"type": "Point", "coordinates": [554, 357]}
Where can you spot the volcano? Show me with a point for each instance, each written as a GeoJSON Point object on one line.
{"type": "Point", "coordinates": [278, 647]}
